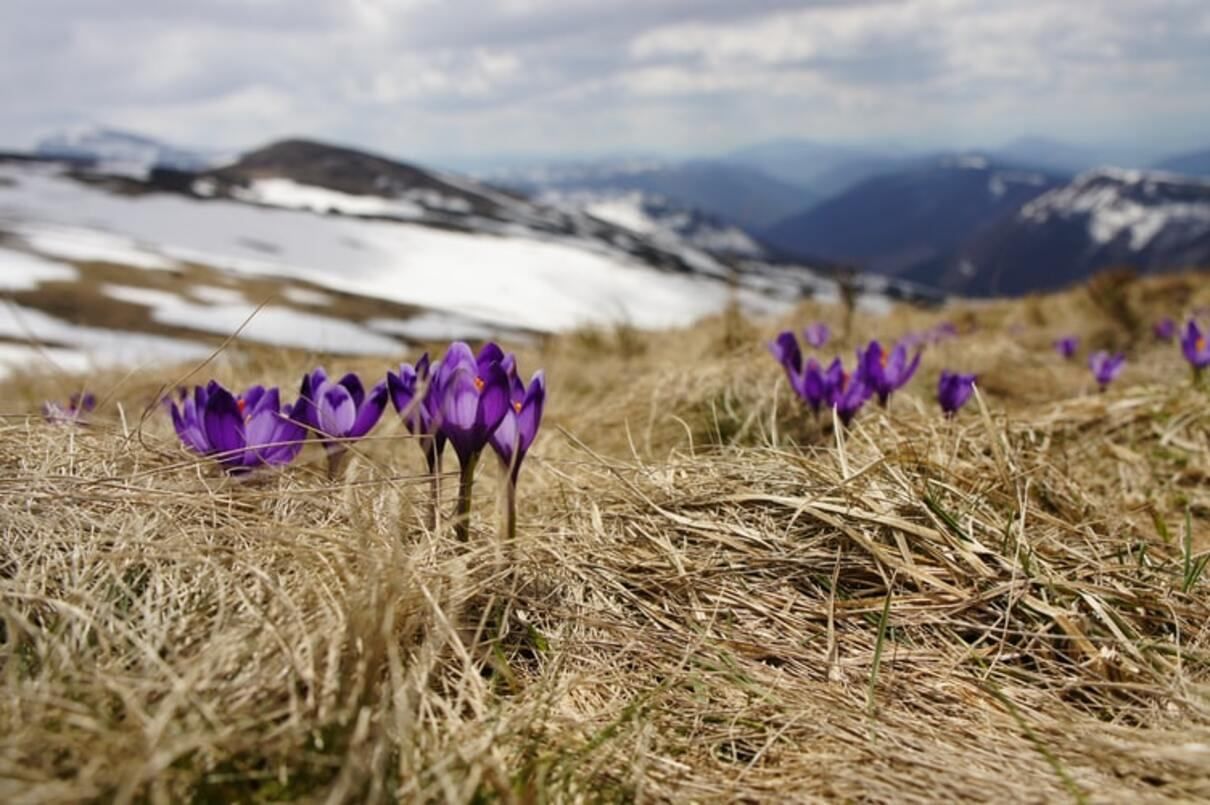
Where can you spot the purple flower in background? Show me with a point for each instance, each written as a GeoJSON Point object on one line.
{"type": "Point", "coordinates": [817, 334]}
{"type": "Point", "coordinates": [1105, 367]}
{"type": "Point", "coordinates": [412, 393]}
{"type": "Point", "coordinates": [848, 395]}
{"type": "Point", "coordinates": [1195, 347]}
{"type": "Point", "coordinates": [74, 413]}
{"type": "Point", "coordinates": [953, 390]}
{"type": "Point", "coordinates": [885, 373]}
{"type": "Point", "coordinates": [785, 350]}
{"type": "Point", "coordinates": [1164, 329]}
{"type": "Point", "coordinates": [1067, 346]}
{"type": "Point", "coordinates": [242, 432]}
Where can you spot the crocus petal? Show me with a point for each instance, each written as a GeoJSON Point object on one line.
{"type": "Point", "coordinates": [223, 424]}
{"type": "Point", "coordinates": [785, 350]}
{"type": "Point", "coordinates": [494, 399]}
{"type": "Point", "coordinates": [529, 419]}
{"type": "Point", "coordinates": [335, 410]}
{"type": "Point", "coordinates": [370, 411]}
{"type": "Point", "coordinates": [357, 391]}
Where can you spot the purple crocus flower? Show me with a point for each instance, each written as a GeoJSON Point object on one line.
{"type": "Point", "coordinates": [816, 385]}
{"type": "Point", "coordinates": [472, 395]}
{"type": "Point", "coordinates": [1164, 329]}
{"type": "Point", "coordinates": [785, 350]}
{"type": "Point", "coordinates": [848, 395]}
{"type": "Point", "coordinates": [953, 390]}
{"type": "Point", "coordinates": [74, 413]}
{"type": "Point", "coordinates": [242, 432]}
{"type": "Point", "coordinates": [412, 394]}
{"type": "Point", "coordinates": [1067, 346]}
{"type": "Point", "coordinates": [884, 373]}
{"type": "Point", "coordinates": [817, 334]}
{"type": "Point", "coordinates": [1195, 347]}
{"type": "Point", "coordinates": [338, 411]}
{"type": "Point", "coordinates": [522, 418]}
{"type": "Point", "coordinates": [1105, 367]}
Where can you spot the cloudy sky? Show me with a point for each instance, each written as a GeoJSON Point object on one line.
{"type": "Point", "coordinates": [450, 79]}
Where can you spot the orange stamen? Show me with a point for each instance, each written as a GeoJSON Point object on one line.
{"type": "Point", "coordinates": [241, 405]}
{"type": "Point", "coordinates": [478, 384]}
{"type": "Point", "coordinates": [1200, 344]}
{"type": "Point", "coordinates": [517, 407]}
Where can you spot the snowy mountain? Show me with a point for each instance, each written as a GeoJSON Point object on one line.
{"type": "Point", "coordinates": [660, 219]}
{"type": "Point", "coordinates": [1106, 217]}
{"type": "Point", "coordinates": [352, 253]}
{"type": "Point", "coordinates": [822, 169]}
{"type": "Point", "coordinates": [119, 152]}
{"type": "Point", "coordinates": [892, 222]}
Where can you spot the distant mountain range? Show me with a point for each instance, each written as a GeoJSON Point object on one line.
{"type": "Point", "coordinates": [1009, 220]}
{"type": "Point", "coordinates": [1195, 163]}
{"type": "Point", "coordinates": [120, 152]}
{"type": "Point", "coordinates": [737, 193]}
{"type": "Point", "coordinates": [895, 221]}
{"type": "Point", "coordinates": [1104, 218]}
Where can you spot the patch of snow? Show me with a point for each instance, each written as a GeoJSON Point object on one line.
{"type": "Point", "coordinates": [92, 245]}
{"type": "Point", "coordinates": [214, 295]}
{"type": "Point", "coordinates": [522, 281]}
{"type": "Point", "coordinates": [21, 271]}
{"type": "Point", "coordinates": [280, 192]}
{"type": "Point", "coordinates": [625, 210]}
{"type": "Point", "coordinates": [278, 326]}
{"type": "Point", "coordinates": [436, 200]}
{"type": "Point", "coordinates": [97, 346]}
{"type": "Point", "coordinates": [432, 327]}
{"type": "Point", "coordinates": [306, 296]}
{"type": "Point", "coordinates": [147, 297]}
{"type": "Point", "coordinates": [17, 357]}
{"type": "Point", "coordinates": [995, 185]}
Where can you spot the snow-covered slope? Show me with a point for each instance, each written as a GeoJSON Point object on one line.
{"type": "Point", "coordinates": [353, 253]}
{"type": "Point", "coordinates": [1150, 221]}
{"type": "Point", "coordinates": [119, 152]}
{"type": "Point", "coordinates": [660, 219]}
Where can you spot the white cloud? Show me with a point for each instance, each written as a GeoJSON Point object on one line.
{"type": "Point", "coordinates": [421, 77]}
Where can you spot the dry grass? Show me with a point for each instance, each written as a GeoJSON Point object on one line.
{"type": "Point", "coordinates": [710, 597]}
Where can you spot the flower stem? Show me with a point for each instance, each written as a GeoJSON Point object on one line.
{"type": "Point", "coordinates": [510, 511]}
{"type": "Point", "coordinates": [433, 459]}
{"type": "Point", "coordinates": [462, 517]}
{"type": "Point", "coordinates": [336, 461]}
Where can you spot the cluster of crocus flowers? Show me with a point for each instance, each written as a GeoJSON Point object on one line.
{"type": "Point", "coordinates": [470, 401]}
{"type": "Point", "coordinates": [76, 412]}
{"type": "Point", "coordinates": [877, 372]}
{"type": "Point", "coordinates": [953, 390]}
{"type": "Point", "coordinates": [1105, 367]}
{"type": "Point", "coordinates": [467, 401]}
{"type": "Point", "coordinates": [243, 432]}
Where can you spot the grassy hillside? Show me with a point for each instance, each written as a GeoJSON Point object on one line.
{"type": "Point", "coordinates": [710, 597]}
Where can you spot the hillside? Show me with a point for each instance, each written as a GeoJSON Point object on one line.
{"type": "Point", "coordinates": [709, 597]}
{"type": "Point", "coordinates": [895, 221]}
